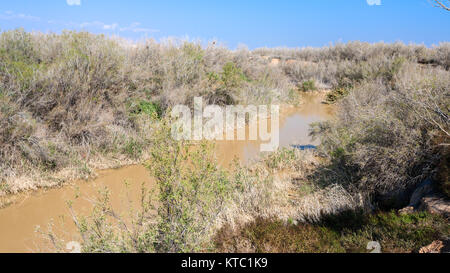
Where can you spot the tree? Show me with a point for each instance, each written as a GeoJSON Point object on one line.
{"type": "Point", "coordinates": [445, 4]}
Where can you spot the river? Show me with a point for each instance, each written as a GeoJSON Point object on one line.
{"type": "Point", "coordinates": [19, 220]}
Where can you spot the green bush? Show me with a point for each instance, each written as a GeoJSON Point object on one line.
{"type": "Point", "coordinates": [178, 217]}
{"type": "Point", "coordinates": [232, 76]}
{"type": "Point", "coordinates": [17, 46]}
{"type": "Point", "coordinates": [337, 94]}
{"type": "Point", "coordinates": [151, 109]}
{"type": "Point", "coordinates": [225, 85]}
{"type": "Point", "coordinates": [194, 51]}
{"type": "Point", "coordinates": [308, 86]}
{"type": "Point", "coordinates": [133, 148]}
{"type": "Point", "coordinates": [281, 159]}
{"type": "Point", "coordinates": [192, 191]}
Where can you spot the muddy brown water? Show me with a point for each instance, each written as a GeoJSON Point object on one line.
{"type": "Point", "coordinates": [18, 221]}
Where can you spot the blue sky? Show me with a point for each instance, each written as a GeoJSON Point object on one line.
{"type": "Point", "coordinates": [256, 23]}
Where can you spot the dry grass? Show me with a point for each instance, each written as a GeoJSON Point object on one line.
{"type": "Point", "coordinates": [69, 101]}
{"type": "Point", "coordinates": [75, 102]}
{"type": "Point", "coordinates": [382, 140]}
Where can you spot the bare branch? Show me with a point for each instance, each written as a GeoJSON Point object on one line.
{"type": "Point", "coordinates": [442, 4]}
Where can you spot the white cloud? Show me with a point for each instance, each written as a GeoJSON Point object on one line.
{"type": "Point", "coordinates": [96, 24]}
{"type": "Point", "coordinates": [111, 26]}
{"type": "Point", "coordinates": [11, 15]}
{"type": "Point", "coordinates": [73, 2]}
{"type": "Point", "coordinates": [134, 27]}
{"type": "Point", "coordinates": [374, 2]}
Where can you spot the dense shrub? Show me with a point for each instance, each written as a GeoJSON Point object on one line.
{"type": "Point", "coordinates": [194, 197]}
{"type": "Point", "coordinates": [95, 97]}
{"type": "Point", "coordinates": [192, 192]}
{"type": "Point", "coordinates": [308, 86]}
{"type": "Point", "coordinates": [179, 216]}
{"type": "Point", "coordinates": [346, 232]}
{"type": "Point", "coordinates": [382, 139]}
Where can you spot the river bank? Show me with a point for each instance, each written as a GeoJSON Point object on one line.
{"type": "Point", "coordinates": [27, 210]}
